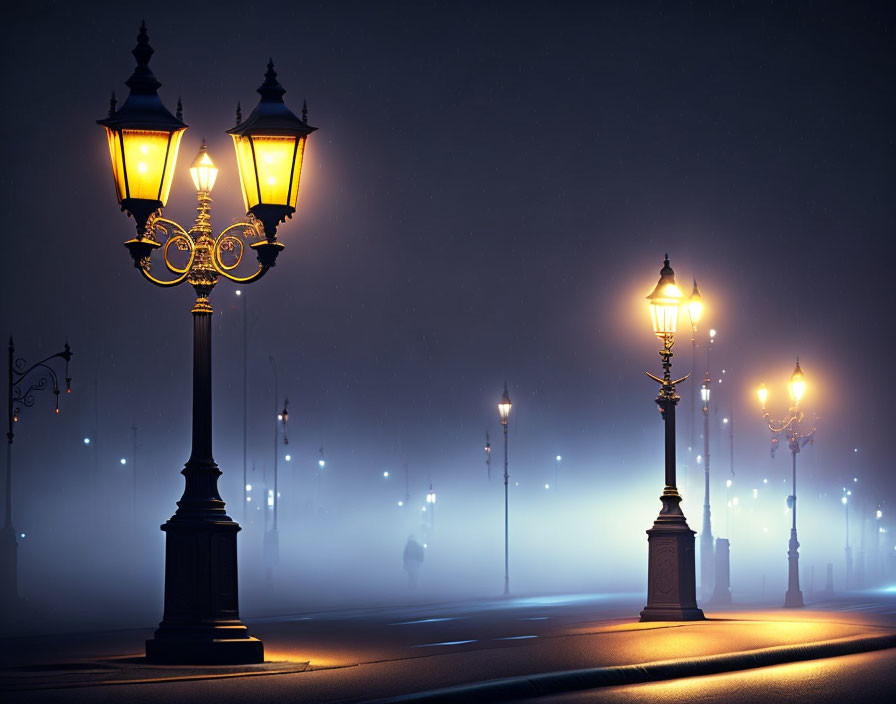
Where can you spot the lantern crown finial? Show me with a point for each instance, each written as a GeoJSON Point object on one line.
{"type": "Point", "coordinates": [271, 90]}
{"type": "Point", "coordinates": [142, 80]}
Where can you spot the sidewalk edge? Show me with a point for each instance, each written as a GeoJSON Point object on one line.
{"type": "Point", "coordinates": [531, 686]}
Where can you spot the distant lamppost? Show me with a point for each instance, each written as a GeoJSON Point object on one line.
{"type": "Point", "coordinates": [671, 577]}
{"type": "Point", "coordinates": [504, 412]}
{"type": "Point", "coordinates": [790, 426]}
{"type": "Point", "coordinates": [22, 382]}
{"type": "Point", "coordinates": [488, 455]}
{"type": "Point", "coordinates": [431, 503]}
{"type": "Point", "coordinates": [706, 544]}
{"type": "Point", "coordinates": [848, 550]}
{"type": "Point", "coordinates": [557, 461]}
{"type": "Point", "coordinates": [201, 621]}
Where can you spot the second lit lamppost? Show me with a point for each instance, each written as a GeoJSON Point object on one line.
{"type": "Point", "coordinates": [201, 622]}
{"type": "Point", "coordinates": [671, 578]}
{"type": "Point", "coordinates": [504, 412]}
{"type": "Point", "coordinates": [791, 427]}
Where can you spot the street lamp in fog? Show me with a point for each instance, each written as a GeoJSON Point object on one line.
{"type": "Point", "coordinates": [695, 312]}
{"type": "Point", "coordinates": [791, 427]}
{"type": "Point", "coordinates": [201, 622]}
{"type": "Point", "coordinates": [671, 577]}
{"type": "Point", "coordinates": [23, 381]}
{"type": "Point", "coordinates": [504, 413]}
{"type": "Point", "coordinates": [847, 550]}
{"type": "Point", "coordinates": [707, 564]}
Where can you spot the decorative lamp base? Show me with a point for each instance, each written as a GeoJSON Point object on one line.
{"type": "Point", "coordinates": [671, 578]}
{"type": "Point", "coordinates": [216, 651]}
{"type": "Point", "coordinates": [722, 592]}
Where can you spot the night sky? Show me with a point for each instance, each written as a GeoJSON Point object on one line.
{"type": "Point", "coordinates": [489, 195]}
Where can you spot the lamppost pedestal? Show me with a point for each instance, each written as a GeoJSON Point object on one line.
{"type": "Point", "coordinates": [671, 578]}
{"type": "Point", "coordinates": [793, 598]}
{"type": "Point", "coordinates": [201, 623]}
{"type": "Point", "coordinates": [722, 592]}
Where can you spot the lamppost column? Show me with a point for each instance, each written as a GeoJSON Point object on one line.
{"type": "Point", "coordinates": [201, 621]}
{"type": "Point", "coordinates": [706, 541]}
{"type": "Point", "coordinates": [506, 521]}
{"type": "Point", "coordinates": [794, 597]}
{"type": "Point", "coordinates": [8, 543]}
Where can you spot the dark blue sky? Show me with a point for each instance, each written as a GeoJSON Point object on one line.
{"type": "Point", "coordinates": [489, 195]}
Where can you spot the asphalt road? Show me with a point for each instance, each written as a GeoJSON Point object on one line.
{"type": "Point", "coordinates": [356, 654]}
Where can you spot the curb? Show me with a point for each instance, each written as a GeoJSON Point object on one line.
{"type": "Point", "coordinates": [531, 686]}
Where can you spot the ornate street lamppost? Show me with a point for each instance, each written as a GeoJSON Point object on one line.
{"type": "Point", "coordinates": [504, 412]}
{"type": "Point", "coordinates": [201, 621]}
{"type": "Point", "coordinates": [706, 543]}
{"type": "Point", "coordinates": [671, 577]}
{"type": "Point", "coordinates": [791, 427]}
{"type": "Point", "coordinates": [22, 382]}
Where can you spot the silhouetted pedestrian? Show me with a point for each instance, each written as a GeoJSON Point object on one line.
{"type": "Point", "coordinates": [413, 558]}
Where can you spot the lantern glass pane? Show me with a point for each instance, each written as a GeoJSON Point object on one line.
{"type": "Point", "coordinates": [117, 167]}
{"type": "Point", "coordinates": [274, 162]}
{"type": "Point", "coordinates": [296, 173]}
{"type": "Point", "coordinates": [246, 165]}
{"type": "Point", "coordinates": [145, 154]}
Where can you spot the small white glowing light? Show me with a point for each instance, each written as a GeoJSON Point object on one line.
{"type": "Point", "coordinates": [855, 449]}
{"type": "Point", "coordinates": [288, 458]}
{"type": "Point", "coordinates": [855, 479]}
{"type": "Point", "coordinates": [559, 458]}
{"type": "Point", "coordinates": [547, 486]}
{"type": "Point", "coordinates": [21, 535]}
{"type": "Point", "coordinates": [279, 416]}
{"type": "Point", "coordinates": [765, 481]}
{"type": "Point", "coordinates": [516, 483]}
{"type": "Point", "coordinates": [728, 483]}
{"type": "Point", "coordinates": [123, 460]}
{"type": "Point", "coordinates": [724, 421]}
{"type": "Point", "coordinates": [385, 474]}
{"type": "Point", "coordinates": [238, 292]}
{"type": "Point", "coordinates": [843, 499]}
{"type": "Point", "coordinates": [249, 499]}
{"type": "Point", "coordinates": [699, 459]}
{"type": "Point", "coordinates": [270, 497]}
{"type": "Point", "coordinates": [86, 441]}
{"type": "Point", "coordinates": [736, 500]}
{"type": "Point", "coordinates": [425, 545]}
{"type": "Point", "coordinates": [423, 508]}
{"type": "Point", "coordinates": [712, 334]}
{"type": "Point", "coordinates": [278, 494]}
{"type": "Point", "coordinates": [401, 503]}
{"type": "Point", "coordinates": [849, 493]}
{"type": "Point", "coordinates": [248, 487]}
{"type": "Point", "coordinates": [729, 504]}
{"type": "Point", "coordinates": [879, 514]}
{"type": "Point", "coordinates": [321, 463]}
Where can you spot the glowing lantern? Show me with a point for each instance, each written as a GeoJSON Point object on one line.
{"type": "Point", "coordinates": [695, 306]}
{"type": "Point", "coordinates": [762, 393]}
{"type": "Point", "coordinates": [203, 170]}
{"type": "Point", "coordinates": [504, 406]}
{"type": "Point", "coordinates": [269, 148]}
{"type": "Point", "coordinates": [665, 302]}
{"type": "Point", "coordinates": [143, 141]}
{"type": "Point", "coordinates": [797, 383]}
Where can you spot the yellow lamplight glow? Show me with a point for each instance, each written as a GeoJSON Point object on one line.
{"type": "Point", "coordinates": [504, 406]}
{"type": "Point", "coordinates": [665, 302]}
{"type": "Point", "coordinates": [762, 393]}
{"type": "Point", "coordinates": [797, 383]}
{"type": "Point", "coordinates": [203, 170]}
{"type": "Point", "coordinates": [695, 306]}
{"type": "Point", "coordinates": [270, 168]}
{"type": "Point", "coordinates": [143, 162]}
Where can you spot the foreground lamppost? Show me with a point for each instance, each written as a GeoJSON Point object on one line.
{"type": "Point", "coordinates": [790, 426]}
{"type": "Point", "coordinates": [504, 412]}
{"type": "Point", "coordinates": [22, 382]}
{"type": "Point", "coordinates": [671, 577]}
{"type": "Point", "coordinates": [201, 621]}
